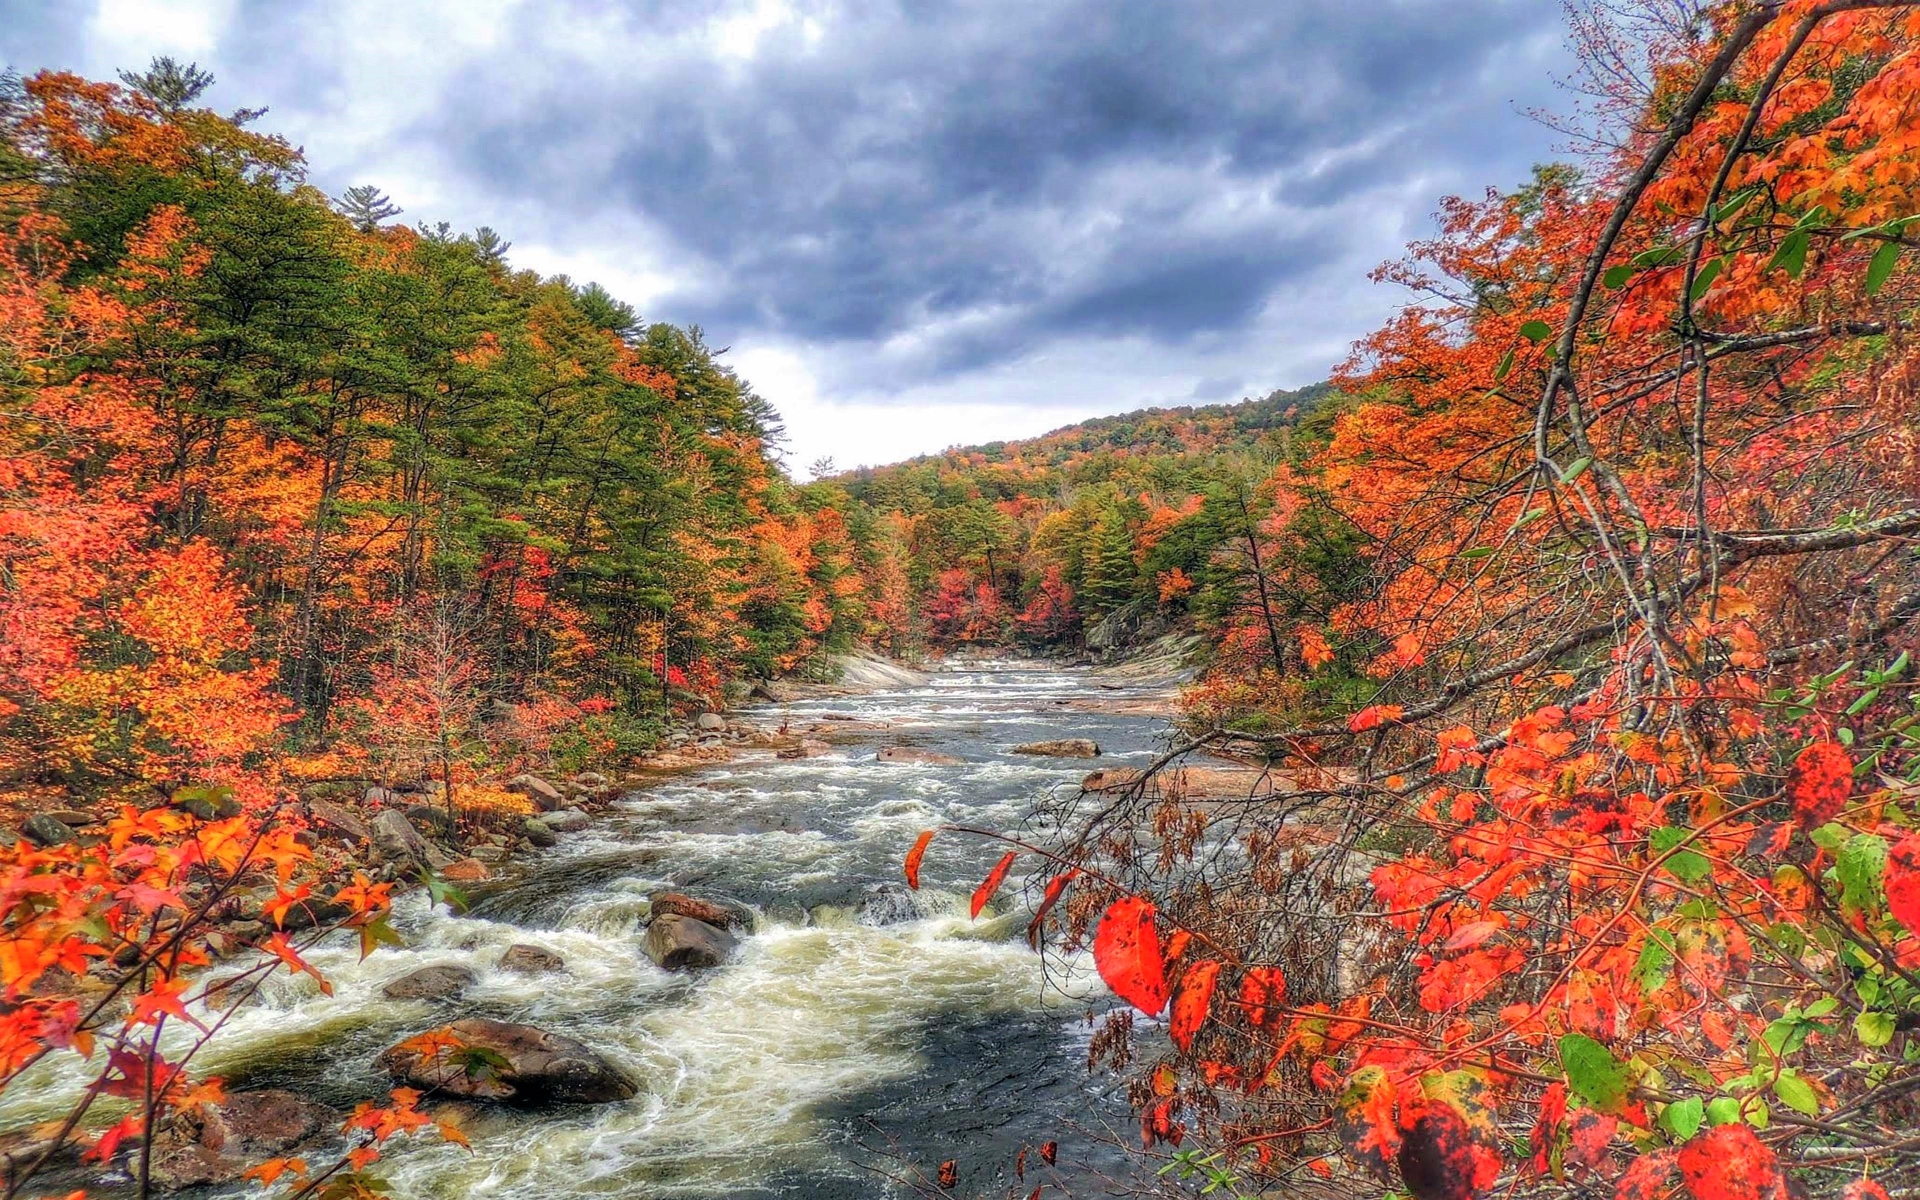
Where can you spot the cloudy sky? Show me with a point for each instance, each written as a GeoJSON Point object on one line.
{"type": "Point", "coordinates": [915, 223]}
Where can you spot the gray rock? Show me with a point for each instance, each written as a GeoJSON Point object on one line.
{"type": "Point", "coordinates": [918, 757]}
{"type": "Point", "coordinates": [889, 904]}
{"type": "Point", "coordinates": [568, 820]}
{"type": "Point", "coordinates": [531, 960]}
{"type": "Point", "coordinates": [396, 840]}
{"type": "Point", "coordinates": [490, 854]}
{"type": "Point", "coordinates": [544, 795]}
{"type": "Point", "coordinates": [43, 830]}
{"type": "Point", "coordinates": [520, 1062]}
{"type": "Point", "coordinates": [709, 722]}
{"type": "Point", "coordinates": [808, 748]}
{"type": "Point", "coordinates": [590, 779]}
{"type": "Point", "coordinates": [1062, 748]}
{"type": "Point", "coordinates": [338, 819]}
{"type": "Point", "coordinates": [381, 796]}
{"type": "Point", "coordinates": [431, 983]}
{"type": "Point", "coordinates": [716, 911]}
{"type": "Point", "coordinates": [536, 831]}
{"type": "Point", "coordinates": [73, 818]}
{"type": "Point", "coordinates": [678, 943]}
{"type": "Point", "coordinates": [213, 1146]}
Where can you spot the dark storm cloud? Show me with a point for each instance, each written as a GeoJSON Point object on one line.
{"type": "Point", "coordinates": [1050, 170]}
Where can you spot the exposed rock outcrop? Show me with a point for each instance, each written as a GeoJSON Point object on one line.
{"type": "Point", "coordinates": [915, 756]}
{"type": "Point", "coordinates": [479, 1059]}
{"type": "Point", "coordinates": [677, 943]}
{"type": "Point", "coordinates": [1062, 748]}
{"type": "Point", "coordinates": [431, 983]}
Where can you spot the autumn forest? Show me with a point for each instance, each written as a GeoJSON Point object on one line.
{"type": "Point", "coordinates": [1556, 654]}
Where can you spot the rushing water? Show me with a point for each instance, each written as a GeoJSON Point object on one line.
{"type": "Point", "coordinates": [828, 1051]}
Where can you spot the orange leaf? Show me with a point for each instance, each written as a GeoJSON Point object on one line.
{"type": "Point", "coordinates": [914, 856]}
{"type": "Point", "coordinates": [1903, 881]}
{"type": "Point", "coordinates": [1729, 1162]}
{"type": "Point", "coordinates": [992, 882]}
{"type": "Point", "coordinates": [1191, 1002]}
{"type": "Point", "coordinates": [949, 1174]}
{"type": "Point", "coordinates": [1374, 716]}
{"type": "Point", "coordinates": [1820, 783]}
{"type": "Point", "coordinates": [1263, 988]}
{"type": "Point", "coordinates": [1055, 887]}
{"type": "Point", "coordinates": [1126, 949]}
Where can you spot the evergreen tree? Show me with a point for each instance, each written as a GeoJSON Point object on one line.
{"type": "Point", "coordinates": [367, 206]}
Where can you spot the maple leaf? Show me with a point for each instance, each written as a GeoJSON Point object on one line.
{"type": "Point", "coordinates": [1374, 716]}
{"type": "Point", "coordinates": [1126, 951]}
{"type": "Point", "coordinates": [1902, 881]}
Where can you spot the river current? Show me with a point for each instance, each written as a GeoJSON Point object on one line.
{"type": "Point", "coordinates": [831, 1058]}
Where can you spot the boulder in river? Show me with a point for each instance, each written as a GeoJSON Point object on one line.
{"type": "Point", "coordinates": [531, 960]}
{"type": "Point", "coordinates": [397, 840]}
{"type": "Point", "coordinates": [1062, 748]}
{"type": "Point", "coordinates": [431, 983]}
{"type": "Point", "coordinates": [727, 914]}
{"type": "Point", "coordinates": [478, 1059]}
{"type": "Point", "coordinates": [808, 748]}
{"type": "Point", "coordinates": [567, 820]}
{"type": "Point", "coordinates": [538, 832]}
{"type": "Point", "coordinates": [209, 1146]}
{"type": "Point", "coordinates": [710, 722]}
{"type": "Point", "coordinates": [678, 943]}
{"type": "Point", "coordinates": [465, 870]}
{"type": "Point", "coordinates": [914, 755]}
{"type": "Point", "coordinates": [544, 795]}
{"type": "Point", "coordinates": [889, 904]}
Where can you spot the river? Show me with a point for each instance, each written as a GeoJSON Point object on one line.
{"type": "Point", "coordinates": [829, 1052]}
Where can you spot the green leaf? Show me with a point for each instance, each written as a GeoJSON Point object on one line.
{"type": "Point", "coordinates": [1705, 278]}
{"type": "Point", "coordinates": [1506, 365]}
{"type": "Point", "coordinates": [1617, 276]}
{"type": "Point", "coordinates": [1536, 331]}
{"type": "Point", "coordinates": [1656, 960]}
{"type": "Point", "coordinates": [1792, 254]}
{"type": "Point", "coordinates": [1477, 552]}
{"type": "Point", "coordinates": [1861, 862]}
{"type": "Point", "coordinates": [1830, 837]}
{"type": "Point", "coordinates": [1682, 1118]}
{"type": "Point", "coordinates": [1723, 1110]}
{"type": "Point", "coordinates": [1529, 517]}
{"type": "Point", "coordinates": [1686, 866]}
{"type": "Point", "coordinates": [1860, 705]}
{"type": "Point", "coordinates": [1874, 1028]}
{"type": "Point", "coordinates": [1881, 266]}
{"type": "Point", "coordinates": [1796, 1093]}
{"type": "Point", "coordinates": [1659, 256]}
{"type": "Point", "coordinates": [1575, 470]}
{"type": "Point", "coordinates": [1732, 205]}
{"type": "Point", "coordinates": [1592, 1072]}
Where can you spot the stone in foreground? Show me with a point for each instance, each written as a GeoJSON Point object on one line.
{"type": "Point", "coordinates": [726, 914]}
{"type": "Point", "coordinates": [531, 960]}
{"type": "Point", "coordinates": [1063, 748]}
{"type": "Point", "coordinates": [431, 983]}
{"type": "Point", "coordinates": [478, 1059]}
{"type": "Point", "coordinates": [678, 943]}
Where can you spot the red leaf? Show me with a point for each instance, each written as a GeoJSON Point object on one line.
{"type": "Point", "coordinates": [1646, 1179]}
{"type": "Point", "coordinates": [1439, 1157]}
{"type": "Point", "coordinates": [992, 882]}
{"type": "Point", "coordinates": [1820, 783]}
{"type": "Point", "coordinates": [1729, 1162]}
{"type": "Point", "coordinates": [1126, 949]}
{"type": "Point", "coordinates": [1049, 1151]}
{"type": "Point", "coordinates": [1191, 1002]}
{"type": "Point", "coordinates": [914, 856]}
{"type": "Point", "coordinates": [1588, 1136]}
{"type": "Point", "coordinates": [1263, 988]}
{"type": "Point", "coordinates": [1363, 1120]}
{"type": "Point", "coordinates": [1863, 1189]}
{"type": "Point", "coordinates": [1903, 881]}
{"type": "Point", "coordinates": [1055, 887]}
{"type": "Point", "coordinates": [1374, 716]}
{"type": "Point", "coordinates": [949, 1174]}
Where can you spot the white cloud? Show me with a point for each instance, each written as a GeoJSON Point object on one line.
{"type": "Point", "coordinates": [124, 33]}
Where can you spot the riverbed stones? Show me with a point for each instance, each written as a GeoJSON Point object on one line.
{"type": "Point", "coordinates": [538, 832]}
{"type": "Point", "coordinates": [710, 722]}
{"type": "Point", "coordinates": [808, 748]}
{"type": "Point", "coordinates": [209, 1146]}
{"type": "Point", "coordinates": [590, 779]}
{"type": "Point", "coordinates": [727, 914]}
{"type": "Point", "coordinates": [43, 830]}
{"type": "Point", "coordinates": [888, 904]}
{"type": "Point", "coordinates": [329, 815]}
{"type": "Point", "coordinates": [465, 870]}
{"type": "Point", "coordinates": [523, 959]}
{"type": "Point", "coordinates": [520, 1063]}
{"type": "Point", "coordinates": [396, 839]}
{"type": "Point", "coordinates": [1062, 748]}
{"type": "Point", "coordinates": [431, 983]}
{"type": "Point", "coordinates": [567, 820]}
{"type": "Point", "coordinates": [915, 756]}
{"type": "Point", "coordinates": [677, 943]}
{"type": "Point", "coordinates": [544, 795]}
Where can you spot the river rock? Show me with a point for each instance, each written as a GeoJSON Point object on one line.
{"type": "Point", "coordinates": [381, 797]}
{"type": "Point", "coordinates": [431, 983]}
{"type": "Point", "coordinates": [915, 756]}
{"type": "Point", "coordinates": [678, 943]}
{"type": "Point", "coordinates": [1063, 748]}
{"type": "Point", "coordinates": [44, 830]}
{"type": "Point", "coordinates": [538, 832]}
{"type": "Point", "coordinates": [544, 795]}
{"type": "Point", "coordinates": [888, 904]}
{"type": "Point", "coordinates": [310, 912]}
{"type": "Point", "coordinates": [396, 840]}
{"type": "Point", "coordinates": [1109, 780]}
{"type": "Point", "coordinates": [567, 820]}
{"type": "Point", "coordinates": [727, 914]}
{"type": "Point", "coordinates": [710, 722]}
{"type": "Point", "coordinates": [465, 870]}
{"type": "Point", "coordinates": [210, 1146]}
{"type": "Point", "coordinates": [73, 818]}
{"type": "Point", "coordinates": [808, 748]}
{"type": "Point", "coordinates": [524, 1063]}
{"type": "Point", "coordinates": [531, 960]}
{"type": "Point", "coordinates": [590, 779]}
{"type": "Point", "coordinates": [332, 816]}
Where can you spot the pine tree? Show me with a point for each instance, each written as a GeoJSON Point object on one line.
{"type": "Point", "coordinates": [1111, 575]}
{"type": "Point", "coordinates": [367, 206]}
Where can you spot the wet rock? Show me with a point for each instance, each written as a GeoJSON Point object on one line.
{"type": "Point", "coordinates": [490, 854]}
{"type": "Point", "coordinates": [24, 1147]}
{"type": "Point", "coordinates": [918, 757]}
{"type": "Point", "coordinates": [1062, 748]}
{"type": "Point", "coordinates": [465, 870]}
{"type": "Point", "coordinates": [1110, 780]}
{"type": "Point", "coordinates": [808, 748]}
{"type": "Point", "coordinates": [311, 912]}
{"type": "Point", "coordinates": [537, 832]}
{"type": "Point", "coordinates": [43, 830]}
{"type": "Point", "coordinates": [570, 820]}
{"type": "Point", "coordinates": [431, 983]}
{"type": "Point", "coordinates": [677, 943]}
{"type": "Point", "coordinates": [430, 819]}
{"type": "Point", "coordinates": [726, 914]}
{"type": "Point", "coordinates": [396, 840]}
{"type": "Point", "coordinates": [710, 722]}
{"type": "Point", "coordinates": [888, 904]}
{"type": "Point", "coordinates": [337, 819]}
{"type": "Point", "coordinates": [211, 1146]}
{"type": "Point", "coordinates": [531, 960]}
{"type": "Point", "coordinates": [544, 795]}
{"type": "Point", "coordinates": [517, 1062]}
{"type": "Point", "coordinates": [72, 818]}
